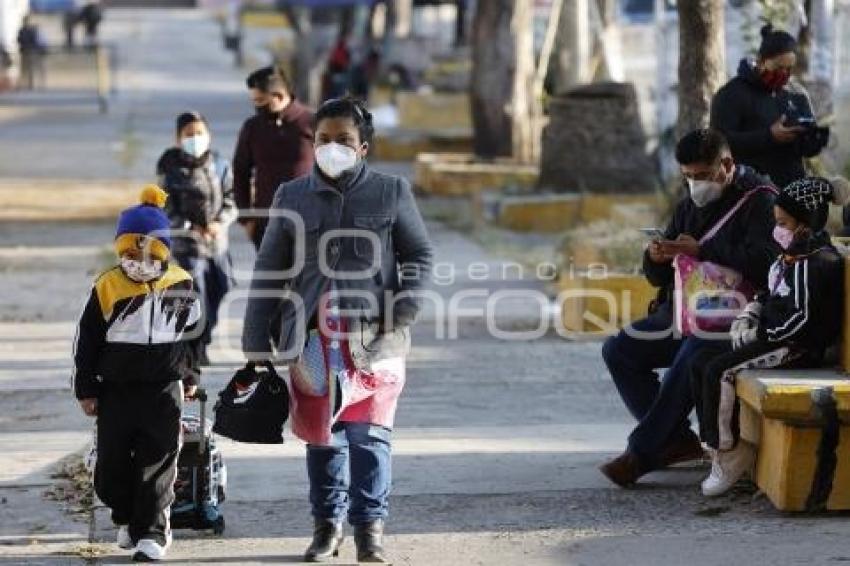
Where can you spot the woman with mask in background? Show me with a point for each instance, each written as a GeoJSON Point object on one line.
{"type": "Point", "coordinates": [199, 183]}
{"type": "Point", "coordinates": [354, 266]}
{"type": "Point", "coordinates": [767, 117]}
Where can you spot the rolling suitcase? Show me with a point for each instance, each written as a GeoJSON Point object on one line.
{"type": "Point", "coordinates": [201, 475]}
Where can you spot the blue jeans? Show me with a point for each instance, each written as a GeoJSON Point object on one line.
{"type": "Point", "coordinates": [353, 475]}
{"type": "Point", "coordinates": [661, 407]}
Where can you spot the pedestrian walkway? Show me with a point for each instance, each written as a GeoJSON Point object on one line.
{"type": "Point", "coordinates": [497, 441]}
{"type": "Point", "coordinates": [167, 62]}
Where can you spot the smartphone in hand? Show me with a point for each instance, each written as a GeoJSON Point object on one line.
{"type": "Point", "coordinates": [654, 233]}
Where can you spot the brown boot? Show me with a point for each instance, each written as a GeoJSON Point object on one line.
{"type": "Point", "coordinates": [624, 470]}
{"type": "Point", "coordinates": [681, 451]}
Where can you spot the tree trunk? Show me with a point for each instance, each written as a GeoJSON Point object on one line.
{"type": "Point", "coordinates": [570, 62]}
{"type": "Point", "coordinates": [702, 56]}
{"type": "Point", "coordinates": [400, 17]}
{"type": "Point", "coordinates": [303, 53]}
{"type": "Point", "coordinates": [816, 54]}
{"type": "Point", "coordinates": [804, 43]}
{"type": "Point", "coordinates": [521, 110]}
{"type": "Point", "coordinates": [460, 23]}
{"type": "Point", "coordinates": [493, 60]}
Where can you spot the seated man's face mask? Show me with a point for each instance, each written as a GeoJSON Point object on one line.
{"type": "Point", "coordinates": [705, 191]}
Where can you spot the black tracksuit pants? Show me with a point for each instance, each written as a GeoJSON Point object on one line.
{"type": "Point", "coordinates": [138, 441]}
{"type": "Point", "coordinates": [713, 386]}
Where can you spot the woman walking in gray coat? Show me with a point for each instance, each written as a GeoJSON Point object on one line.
{"type": "Point", "coordinates": [343, 261]}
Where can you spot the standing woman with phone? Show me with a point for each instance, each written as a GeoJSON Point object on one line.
{"type": "Point", "coordinates": [766, 116]}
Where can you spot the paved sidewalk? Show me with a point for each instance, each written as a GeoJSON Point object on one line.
{"type": "Point", "coordinates": [497, 441]}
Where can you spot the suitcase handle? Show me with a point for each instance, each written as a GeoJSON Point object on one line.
{"type": "Point", "coordinates": [201, 398]}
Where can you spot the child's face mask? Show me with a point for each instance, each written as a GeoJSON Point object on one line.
{"type": "Point", "coordinates": [141, 271]}
{"type": "Point", "coordinates": [196, 145]}
{"type": "Point", "coordinates": [783, 236]}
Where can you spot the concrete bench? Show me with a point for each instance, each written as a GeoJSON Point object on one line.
{"type": "Point", "coordinates": [779, 416]}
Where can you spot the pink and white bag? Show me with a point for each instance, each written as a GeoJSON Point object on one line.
{"type": "Point", "coordinates": [708, 296]}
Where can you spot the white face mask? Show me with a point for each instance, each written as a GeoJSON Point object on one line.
{"type": "Point", "coordinates": [334, 159]}
{"type": "Point", "coordinates": [141, 271]}
{"type": "Point", "coordinates": [704, 192]}
{"type": "Point", "coordinates": [196, 145]}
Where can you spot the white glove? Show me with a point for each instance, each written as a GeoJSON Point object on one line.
{"type": "Point", "coordinates": [747, 336]}
{"type": "Point", "coordinates": [753, 310]}
{"type": "Point", "coordinates": [745, 326]}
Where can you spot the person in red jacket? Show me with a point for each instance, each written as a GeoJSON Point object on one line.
{"type": "Point", "coordinates": [274, 147]}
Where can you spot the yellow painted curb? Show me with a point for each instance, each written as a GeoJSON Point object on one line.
{"type": "Point", "coordinates": [459, 174]}
{"type": "Point", "coordinates": [603, 305]}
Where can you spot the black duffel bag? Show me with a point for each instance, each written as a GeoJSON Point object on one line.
{"type": "Point", "coordinates": [254, 406]}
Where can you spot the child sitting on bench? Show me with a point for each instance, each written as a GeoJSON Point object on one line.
{"type": "Point", "coordinates": [790, 324]}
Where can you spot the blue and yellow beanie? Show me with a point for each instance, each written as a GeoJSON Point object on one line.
{"type": "Point", "coordinates": [145, 227]}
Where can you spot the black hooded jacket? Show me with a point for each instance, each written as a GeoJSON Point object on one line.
{"type": "Point", "coordinates": [200, 192]}
{"type": "Point", "coordinates": [744, 110]}
{"type": "Point", "coordinates": [803, 303]}
{"type": "Point", "coordinates": [745, 243]}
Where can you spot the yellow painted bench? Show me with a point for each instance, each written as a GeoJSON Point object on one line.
{"type": "Point", "coordinates": [779, 416]}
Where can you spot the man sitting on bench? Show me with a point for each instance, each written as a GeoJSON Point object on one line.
{"type": "Point", "coordinates": [724, 218]}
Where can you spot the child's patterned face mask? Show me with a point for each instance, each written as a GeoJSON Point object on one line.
{"type": "Point", "coordinates": [141, 271]}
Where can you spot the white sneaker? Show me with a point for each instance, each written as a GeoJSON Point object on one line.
{"type": "Point", "coordinates": [727, 467]}
{"type": "Point", "coordinates": [149, 551]}
{"type": "Point", "coordinates": [123, 539]}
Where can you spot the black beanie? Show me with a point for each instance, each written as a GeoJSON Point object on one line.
{"type": "Point", "coordinates": [775, 42]}
{"type": "Point", "coordinates": [808, 199]}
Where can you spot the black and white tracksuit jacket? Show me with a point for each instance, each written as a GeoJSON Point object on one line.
{"type": "Point", "coordinates": [803, 305]}
{"type": "Point", "coordinates": [137, 332]}
{"type": "Point", "coordinates": [800, 318]}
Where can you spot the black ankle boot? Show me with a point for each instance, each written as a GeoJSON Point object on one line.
{"type": "Point", "coordinates": [370, 544]}
{"type": "Point", "coordinates": [327, 538]}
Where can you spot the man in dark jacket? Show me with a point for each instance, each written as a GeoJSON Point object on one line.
{"type": "Point", "coordinates": [745, 243]}
{"type": "Point", "coordinates": [274, 147]}
{"type": "Point", "coordinates": [769, 123]}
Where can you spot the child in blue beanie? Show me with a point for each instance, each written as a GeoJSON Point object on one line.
{"type": "Point", "coordinates": [134, 360]}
